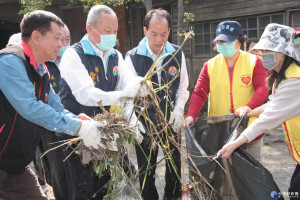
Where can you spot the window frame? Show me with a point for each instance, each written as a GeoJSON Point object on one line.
{"type": "Point", "coordinates": [213, 23]}
{"type": "Point", "coordinates": [293, 24]}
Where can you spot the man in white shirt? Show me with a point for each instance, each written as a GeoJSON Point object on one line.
{"type": "Point", "coordinates": [91, 70]}
{"type": "Point", "coordinates": [157, 30]}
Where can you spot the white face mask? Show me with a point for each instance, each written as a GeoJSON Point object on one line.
{"type": "Point", "coordinates": [269, 60]}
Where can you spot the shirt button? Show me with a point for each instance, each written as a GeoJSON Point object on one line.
{"type": "Point", "coordinates": [229, 95]}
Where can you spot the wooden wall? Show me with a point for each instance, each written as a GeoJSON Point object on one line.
{"type": "Point", "coordinates": [218, 9]}
{"type": "Point", "coordinates": [209, 10]}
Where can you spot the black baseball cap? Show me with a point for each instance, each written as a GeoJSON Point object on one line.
{"type": "Point", "coordinates": [228, 31]}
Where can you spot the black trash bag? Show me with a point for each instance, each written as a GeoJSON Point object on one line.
{"type": "Point", "coordinates": [252, 179]}
{"type": "Point", "coordinates": [249, 179]}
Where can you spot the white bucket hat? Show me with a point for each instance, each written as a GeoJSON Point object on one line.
{"type": "Point", "coordinates": [279, 38]}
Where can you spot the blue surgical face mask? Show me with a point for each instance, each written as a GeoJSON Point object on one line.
{"type": "Point", "coordinates": [107, 41]}
{"type": "Point", "coordinates": [297, 41]}
{"type": "Point", "coordinates": [62, 50]}
{"type": "Point", "coordinates": [226, 49]}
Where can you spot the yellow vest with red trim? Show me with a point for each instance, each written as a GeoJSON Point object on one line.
{"type": "Point", "coordinates": [225, 95]}
{"type": "Point", "coordinates": [292, 126]}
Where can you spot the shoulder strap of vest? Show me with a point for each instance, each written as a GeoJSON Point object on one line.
{"type": "Point", "coordinates": [179, 54]}
{"type": "Point", "coordinates": [252, 59]}
{"type": "Point", "coordinates": [77, 47]}
{"type": "Point", "coordinates": [17, 51]}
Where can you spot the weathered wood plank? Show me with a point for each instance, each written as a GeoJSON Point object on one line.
{"type": "Point", "coordinates": [236, 10]}
{"type": "Point", "coordinates": [240, 3]}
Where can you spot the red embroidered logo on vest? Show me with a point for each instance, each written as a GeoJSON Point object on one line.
{"type": "Point", "coordinates": [172, 70]}
{"type": "Point", "coordinates": [115, 70]}
{"type": "Point", "coordinates": [246, 79]}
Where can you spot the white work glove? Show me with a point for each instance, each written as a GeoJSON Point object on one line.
{"type": "Point", "coordinates": [138, 127]}
{"type": "Point", "coordinates": [176, 120]}
{"type": "Point", "coordinates": [91, 135]}
{"type": "Point", "coordinates": [145, 89]}
{"type": "Point", "coordinates": [134, 86]}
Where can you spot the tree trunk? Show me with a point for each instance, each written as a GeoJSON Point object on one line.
{"type": "Point", "coordinates": [148, 4]}
{"type": "Point", "coordinates": [180, 8]}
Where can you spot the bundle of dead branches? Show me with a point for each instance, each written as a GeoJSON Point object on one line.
{"type": "Point", "coordinates": [115, 134]}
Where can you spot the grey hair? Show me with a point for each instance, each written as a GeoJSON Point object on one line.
{"type": "Point", "coordinates": [94, 16]}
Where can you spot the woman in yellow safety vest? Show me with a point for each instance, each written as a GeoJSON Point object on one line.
{"type": "Point", "coordinates": [280, 57]}
{"type": "Point", "coordinates": [234, 79]}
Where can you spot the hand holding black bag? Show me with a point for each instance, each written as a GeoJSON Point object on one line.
{"type": "Point", "coordinates": [248, 179]}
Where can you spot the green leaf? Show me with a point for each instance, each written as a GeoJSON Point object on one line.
{"type": "Point", "coordinates": [31, 5]}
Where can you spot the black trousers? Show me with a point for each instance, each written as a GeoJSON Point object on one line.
{"type": "Point", "coordinates": [50, 168]}
{"type": "Point", "coordinates": [294, 189]}
{"type": "Point", "coordinates": [82, 182]}
{"type": "Point", "coordinates": [173, 185]}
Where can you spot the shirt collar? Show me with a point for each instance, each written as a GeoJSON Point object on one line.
{"type": "Point", "coordinates": [27, 51]}
{"type": "Point", "coordinates": [152, 53]}
{"type": "Point", "coordinates": [144, 49]}
{"type": "Point", "coordinates": [55, 62]}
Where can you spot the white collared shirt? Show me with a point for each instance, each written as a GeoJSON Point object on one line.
{"type": "Point", "coordinates": [154, 56]}
{"type": "Point", "coordinates": [81, 84]}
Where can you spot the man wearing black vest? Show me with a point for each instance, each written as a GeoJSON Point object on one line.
{"type": "Point", "coordinates": [50, 168]}
{"type": "Point", "coordinates": [29, 105]}
{"type": "Point", "coordinates": [91, 70]}
{"type": "Point", "coordinates": [157, 29]}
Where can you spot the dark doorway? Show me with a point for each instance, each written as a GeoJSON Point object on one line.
{"type": "Point", "coordinates": [135, 22]}
{"type": "Point", "coordinates": [4, 37]}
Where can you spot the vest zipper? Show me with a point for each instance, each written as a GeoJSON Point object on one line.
{"type": "Point", "coordinates": [231, 83]}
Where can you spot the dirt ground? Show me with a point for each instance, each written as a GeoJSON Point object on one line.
{"type": "Point", "coordinates": [275, 158]}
